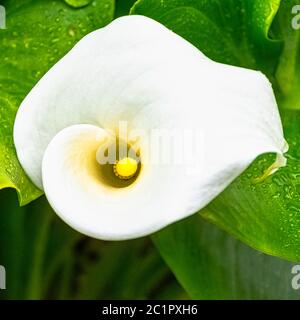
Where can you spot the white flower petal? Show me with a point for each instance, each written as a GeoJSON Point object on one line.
{"type": "Point", "coordinates": [138, 71]}
{"type": "Point", "coordinates": [75, 189]}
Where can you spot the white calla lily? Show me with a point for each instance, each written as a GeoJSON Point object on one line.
{"type": "Point", "coordinates": [137, 71]}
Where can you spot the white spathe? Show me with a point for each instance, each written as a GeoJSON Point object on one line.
{"type": "Point", "coordinates": [137, 70]}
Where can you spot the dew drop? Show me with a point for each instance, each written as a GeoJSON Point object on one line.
{"type": "Point", "coordinates": [78, 3]}
{"type": "Point", "coordinates": [71, 32]}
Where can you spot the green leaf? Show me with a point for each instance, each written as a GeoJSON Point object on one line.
{"type": "Point", "coordinates": [228, 31]}
{"type": "Point", "coordinates": [123, 7]}
{"type": "Point", "coordinates": [287, 27]}
{"type": "Point", "coordinates": [38, 34]}
{"type": "Point", "coordinates": [212, 265]}
{"type": "Point", "coordinates": [265, 215]}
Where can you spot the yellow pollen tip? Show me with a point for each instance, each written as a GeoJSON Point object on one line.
{"type": "Point", "coordinates": [125, 168]}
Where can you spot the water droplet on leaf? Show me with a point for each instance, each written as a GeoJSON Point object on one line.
{"type": "Point", "coordinates": [78, 3]}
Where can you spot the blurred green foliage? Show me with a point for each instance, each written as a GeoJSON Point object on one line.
{"type": "Point", "coordinates": [45, 259]}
